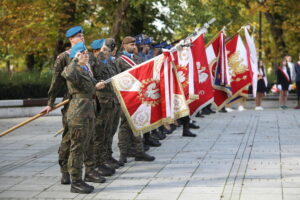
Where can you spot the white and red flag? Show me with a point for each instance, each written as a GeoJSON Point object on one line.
{"type": "Point", "coordinates": [251, 50]}
{"type": "Point", "coordinates": [187, 71]}
{"type": "Point", "coordinates": [205, 91]}
{"type": "Point", "coordinates": [239, 66]}
{"type": "Point", "coordinates": [217, 58]}
{"type": "Point", "coordinates": [149, 94]}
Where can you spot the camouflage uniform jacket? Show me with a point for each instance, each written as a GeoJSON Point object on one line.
{"type": "Point", "coordinates": [81, 87]}
{"type": "Point", "coordinates": [123, 66]}
{"type": "Point", "coordinates": [58, 83]}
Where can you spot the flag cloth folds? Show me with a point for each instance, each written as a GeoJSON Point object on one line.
{"type": "Point", "coordinates": [205, 91]}
{"type": "Point", "coordinates": [239, 66]}
{"type": "Point", "coordinates": [250, 45]}
{"type": "Point", "coordinates": [150, 95]}
{"type": "Point", "coordinates": [187, 72]}
{"type": "Point", "coordinates": [217, 58]}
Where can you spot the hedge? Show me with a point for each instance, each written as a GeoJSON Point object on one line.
{"type": "Point", "coordinates": [24, 85]}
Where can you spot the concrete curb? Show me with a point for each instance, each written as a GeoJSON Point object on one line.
{"type": "Point", "coordinates": [25, 107]}
{"type": "Point", "coordinates": [30, 107]}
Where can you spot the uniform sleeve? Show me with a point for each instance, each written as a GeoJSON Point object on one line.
{"type": "Point", "coordinates": [70, 73]}
{"type": "Point", "coordinates": [57, 81]}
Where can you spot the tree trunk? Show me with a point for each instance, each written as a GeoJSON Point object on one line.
{"type": "Point", "coordinates": [8, 65]}
{"type": "Point", "coordinates": [30, 61]}
{"type": "Point", "coordinates": [68, 8]}
{"type": "Point", "coordinates": [120, 15]}
{"type": "Point", "coordinates": [276, 22]}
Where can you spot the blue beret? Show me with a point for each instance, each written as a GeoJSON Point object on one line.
{"type": "Point", "coordinates": [73, 31]}
{"type": "Point", "coordinates": [97, 44]}
{"type": "Point", "coordinates": [147, 41]}
{"type": "Point", "coordinates": [161, 45]}
{"type": "Point", "coordinates": [79, 47]}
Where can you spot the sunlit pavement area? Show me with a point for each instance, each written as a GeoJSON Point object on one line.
{"type": "Point", "coordinates": [248, 155]}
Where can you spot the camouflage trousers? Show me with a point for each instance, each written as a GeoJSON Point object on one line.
{"type": "Point", "coordinates": [107, 122]}
{"type": "Point", "coordinates": [127, 138]}
{"type": "Point", "coordinates": [77, 144]}
{"type": "Point", "coordinates": [64, 149]}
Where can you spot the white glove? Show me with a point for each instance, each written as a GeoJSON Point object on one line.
{"type": "Point", "coordinates": [290, 87]}
{"type": "Point", "coordinates": [279, 87]}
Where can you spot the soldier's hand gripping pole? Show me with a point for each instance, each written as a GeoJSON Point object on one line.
{"type": "Point", "coordinates": [33, 118]}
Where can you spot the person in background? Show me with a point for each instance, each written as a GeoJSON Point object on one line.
{"type": "Point", "coordinates": [297, 79]}
{"type": "Point", "coordinates": [283, 83]}
{"type": "Point", "coordinates": [261, 85]}
{"type": "Point", "coordinates": [291, 67]}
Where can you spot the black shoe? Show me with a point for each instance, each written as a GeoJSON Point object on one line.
{"type": "Point", "coordinates": [188, 133]}
{"type": "Point", "coordinates": [112, 159]}
{"type": "Point", "coordinates": [123, 160]}
{"type": "Point", "coordinates": [146, 148]}
{"type": "Point", "coordinates": [94, 177]}
{"type": "Point", "coordinates": [152, 142]}
{"type": "Point", "coordinates": [173, 127]}
{"type": "Point", "coordinates": [111, 164]}
{"type": "Point", "coordinates": [193, 126]}
{"type": "Point", "coordinates": [205, 111]}
{"type": "Point", "coordinates": [81, 187]}
{"type": "Point", "coordinates": [104, 171]}
{"type": "Point", "coordinates": [155, 136]}
{"type": "Point", "coordinates": [113, 171]}
{"type": "Point", "coordinates": [211, 111]}
{"type": "Point", "coordinates": [159, 135]}
{"type": "Point", "coordinates": [65, 179]}
{"type": "Point", "coordinates": [223, 110]}
{"type": "Point", "coordinates": [199, 115]}
{"type": "Point", "coordinates": [144, 157]}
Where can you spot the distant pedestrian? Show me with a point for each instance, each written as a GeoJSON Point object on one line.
{"type": "Point", "coordinates": [283, 83]}
{"type": "Point", "coordinates": [261, 85]}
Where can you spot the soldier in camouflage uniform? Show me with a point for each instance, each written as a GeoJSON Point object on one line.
{"type": "Point", "coordinates": [58, 84]}
{"type": "Point", "coordinates": [125, 133]}
{"type": "Point", "coordinates": [101, 68]}
{"type": "Point", "coordinates": [81, 119]}
{"type": "Point", "coordinates": [110, 108]}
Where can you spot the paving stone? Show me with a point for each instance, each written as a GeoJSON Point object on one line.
{"type": "Point", "coordinates": [226, 160]}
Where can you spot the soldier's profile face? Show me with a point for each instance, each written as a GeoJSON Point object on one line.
{"type": "Point", "coordinates": [105, 50]}
{"type": "Point", "coordinates": [79, 37]}
{"type": "Point", "coordinates": [130, 47]}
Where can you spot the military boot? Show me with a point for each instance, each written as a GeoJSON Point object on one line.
{"type": "Point", "coordinates": [104, 171]}
{"type": "Point", "coordinates": [65, 178]}
{"type": "Point", "coordinates": [151, 141]}
{"type": "Point", "coordinates": [123, 159]}
{"type": "Point", "coordinates": [186, 131]}
{"type": "Point", "coordinates": [146, 148]}
{"type": "Point", "coordinates": [199, 115]}
{"type": "Point", "coordinates": [144, 157]}
{"type": "Point", "coordinates": [194, 126]}
{"type": "Point", "coordinates": [110, 164]}
{"type": "Point", "coordinates": [211, 111]}
{"type": "Point", "coordinates": [81, 187]}
{"type": "Point", "coordinates": [158, 134]}
{"type": "Point", "coordinates": [94, 177]}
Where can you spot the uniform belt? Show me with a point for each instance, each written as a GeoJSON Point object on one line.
{"type": "Point", "coordinates": [105, 94]}
{"type": "Point", "coordinates": [88, 96]}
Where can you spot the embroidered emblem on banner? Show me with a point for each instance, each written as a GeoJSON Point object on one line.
{"type": "Point", "coordinates": [149, 92]}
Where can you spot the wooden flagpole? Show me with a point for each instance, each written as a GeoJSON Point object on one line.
{"type": "Point", "coordinates": [32, 118]}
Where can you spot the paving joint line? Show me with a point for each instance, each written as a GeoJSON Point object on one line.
{"type": "Point", "coordinates": [219, 136]}
{"type": "Point", "coordinates": [235, 161]}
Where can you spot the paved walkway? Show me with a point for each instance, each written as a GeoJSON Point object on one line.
{"type": "Point", "coordinates": [241, 155]}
